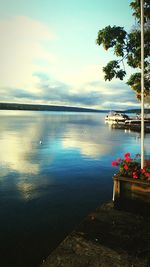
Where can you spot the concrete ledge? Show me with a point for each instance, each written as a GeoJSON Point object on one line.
{"type": "Point", "coordinates": [107, 237]}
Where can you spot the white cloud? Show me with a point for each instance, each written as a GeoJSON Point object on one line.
{"type": "Point", "coordinates": [25, 50]}
{"type": "Point", "coordinates": [22, 42]}
{"type": "Point", "coordinates": [120, 105]}
{"type": "Point", "coordinates": [77, 77]}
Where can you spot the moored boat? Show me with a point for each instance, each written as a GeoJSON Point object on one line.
{"type": "Point", "coordinates": [116, 117]}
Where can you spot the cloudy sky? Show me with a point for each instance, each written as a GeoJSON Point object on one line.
{"type": "Point", "coordinates": [48, 53]}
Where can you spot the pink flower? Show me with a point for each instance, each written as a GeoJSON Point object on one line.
{"type": "Point", "coordinates": [119, 160]}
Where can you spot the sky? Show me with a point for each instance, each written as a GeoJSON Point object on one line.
{"type": "Point", "coordinates": [48, 53]}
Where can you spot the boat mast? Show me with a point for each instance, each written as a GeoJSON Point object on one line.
{"type": "Point", "coordinates": [142, 84]}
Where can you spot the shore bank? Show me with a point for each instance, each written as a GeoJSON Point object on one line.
{"type": "Point", "coordinates": [107, 237]}
{"type": "Point", "coordinates": [131, 127]}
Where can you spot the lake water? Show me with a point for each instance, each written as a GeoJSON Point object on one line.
{"type": "Point", "coordinates": [55, 169]}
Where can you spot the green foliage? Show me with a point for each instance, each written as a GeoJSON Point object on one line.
{"type": "Point", "coordinates": [135, 83]}
{"type": "Point", "coordinates": [112, 70]}
{"type": "Point", "coordinates": [111, 36]}
{"type": "Point", "coordinates": [127, 46]}
{"type": "Point", "coordinates": [135, 5]}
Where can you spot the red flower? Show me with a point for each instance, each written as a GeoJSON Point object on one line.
{"type": "Point", "coordinates": [147, 175]}
{"type": "Point", "coordinates": [126, 167]}
{"type": "Point", "coordinates": [130, 167]}
{"type": "Point", "coordinates": [114, 163]}
{"type": "Point", "coordinates": [128, 159]}
{"type": "Point", "coordinates": [126, 155]}
{"type": "Point", "coordinates": [135, 176]}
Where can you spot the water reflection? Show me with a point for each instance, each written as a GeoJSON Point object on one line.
{"type": "Point", "coordinates": [35, 143]}
{"type": "Point", "coordinates": [19, 135]}
{"type": "Point", "coordinates": [88, 142]}
{"type": "Point", "coordinates": [40, 182]}
{"type": "Point", "coordinates": [27, 190]}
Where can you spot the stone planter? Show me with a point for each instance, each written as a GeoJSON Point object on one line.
{"type": "Point", "coordinates": [131, 189]}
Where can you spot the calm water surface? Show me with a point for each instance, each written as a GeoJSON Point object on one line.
{"type": "Point", "coordinates": [55, 169]}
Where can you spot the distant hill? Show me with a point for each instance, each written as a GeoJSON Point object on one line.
{"type": "Point", "coordinates": [137, 110]}
{"type": "Point", "coordinates": [146, 110]}
{"type": "Point", "coordinates": [16, 106]}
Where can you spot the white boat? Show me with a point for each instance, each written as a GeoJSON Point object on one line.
{"type": "Point", "coordinates": [116, 117]}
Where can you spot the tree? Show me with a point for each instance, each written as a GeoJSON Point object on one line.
{"type": "Point", "coordinates": [127, 48]}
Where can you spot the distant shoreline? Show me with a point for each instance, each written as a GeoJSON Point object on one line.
{"type": "Point", "coordinates": [38, 107]}
{"type": "Point", "coordinates": [16, 106]}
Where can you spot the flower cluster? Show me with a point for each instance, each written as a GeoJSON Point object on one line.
{"type": "Point", "coordinates": [129, 167]}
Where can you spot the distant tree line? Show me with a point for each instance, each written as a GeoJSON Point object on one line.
{"type": "Point", "coordinates": [17, 106]}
